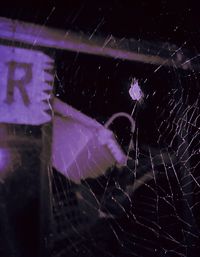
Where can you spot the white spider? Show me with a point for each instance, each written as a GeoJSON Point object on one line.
{"type": "Point", "coordinates": [135, 91]}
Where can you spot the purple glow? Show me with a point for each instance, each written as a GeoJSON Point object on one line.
{"type": "Point", "coordinates": [135, 91]}
{"type": "Point", "coordinates": [5, 158]}
{"type": "Point", "coordinates": [48, 37]}
{"type": "Point", "coordinates": [26, 84]}
{"type": "Point", "coordinates": [82, 147]}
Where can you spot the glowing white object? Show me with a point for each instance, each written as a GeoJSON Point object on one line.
{"type": "Point", "coordinates": [135, 91]}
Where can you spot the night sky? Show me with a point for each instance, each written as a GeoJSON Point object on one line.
{"type": "Point", "coordinates": [174, 21]}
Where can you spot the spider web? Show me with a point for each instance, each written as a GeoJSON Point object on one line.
{"type": "Point", "coordinates": [151, 206]}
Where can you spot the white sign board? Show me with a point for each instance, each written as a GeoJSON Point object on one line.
{"type": "Point", "coordinates": [25, 86]}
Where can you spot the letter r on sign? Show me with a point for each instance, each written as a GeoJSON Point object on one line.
{"type": "Point", "coordinates": [15, 80]}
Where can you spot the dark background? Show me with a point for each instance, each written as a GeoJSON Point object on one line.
{"type": "Point", "coordinates": [173, 21]}
{"type": "Point", "coordinates": [99, 86]}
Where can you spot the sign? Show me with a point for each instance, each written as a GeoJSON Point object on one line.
{"type": "Point", "coordinates": [25, 86]}
{"type": "Point", "coordinates": [82, 147]}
